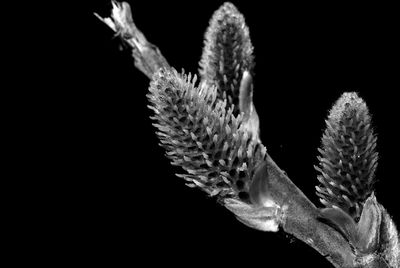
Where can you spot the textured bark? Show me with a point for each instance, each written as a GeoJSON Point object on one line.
{"type": "Point", "coordinates": [301, 218]}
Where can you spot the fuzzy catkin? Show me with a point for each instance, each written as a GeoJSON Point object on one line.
{"type": "Point", "coordinates": [348, 158]}
{"type": "Point", "coordinates": [227, 53]}
{"type": "Point", "coordinates": [202, 136]}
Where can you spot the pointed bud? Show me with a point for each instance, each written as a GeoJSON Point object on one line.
{"type": "Point", "coordinates": [263, 218]}
{"type": "Point", "coordinates": [227, 53]}
{"type": "Point", "coordinates": [246, 105]}
{"type": "Point", "coordinates": [367, 230]}
{"type": "Point", "coordinates": [259, 192]}
{"type": "Point", "coordinates": [348, 158]}
{"type": "Point", "coordinates": [342, 221]}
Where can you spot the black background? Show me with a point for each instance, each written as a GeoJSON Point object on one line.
{"type": "Point", "coordinates": [129, 204]}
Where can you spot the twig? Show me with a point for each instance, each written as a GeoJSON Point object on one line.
{"type": "Point", "coordinates": [148, 57]}
{"type": "Point", "coordinates": [276, 200]}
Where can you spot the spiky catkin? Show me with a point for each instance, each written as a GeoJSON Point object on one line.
{"type": "Point", "coordinates": [348, 158]}
{"type": "Point", "coordinates": [227, 53]}
{"type": "Point", "coordinates": [202, 136]}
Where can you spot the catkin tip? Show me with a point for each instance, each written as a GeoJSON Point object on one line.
{"type": "Point", "coordinates": [347, 105]}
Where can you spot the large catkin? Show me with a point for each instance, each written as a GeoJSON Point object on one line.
{"type": "Point", "coordinates": [348, 157]}
{"type": "Point", "coordinates": [227, 53]}
{"type": "Point", "coordinates": [202, 136]}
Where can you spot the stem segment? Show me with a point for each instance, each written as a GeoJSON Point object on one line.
{"type": "Point", "coordinates": [148, 57]}
{"type": "Point", "coordinates": [301, 219]}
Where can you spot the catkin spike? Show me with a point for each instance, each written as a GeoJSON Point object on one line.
{"type": "Point", "coordinates": [347, 156]}
{"type": "Point", "coordinates": [227, 53]}
{"type": "Point", "coordinates": [210, 153]}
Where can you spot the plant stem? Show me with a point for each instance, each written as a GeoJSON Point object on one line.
{"type": "Point", "coordinates": [301, 219]}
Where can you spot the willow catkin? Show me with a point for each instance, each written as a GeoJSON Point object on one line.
{"type": "Point", "coordinates": [202, 136]}
{"type": "Point", "coordinates": [227, 53]}
{"type": "Point", "coordinates": [348, 157]}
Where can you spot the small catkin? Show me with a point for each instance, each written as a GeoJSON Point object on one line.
{"type": "Point", "coordinates": [348, 157]}
{"type": "Point", "coordinates": [202, 136]}
{"type": "Point", "coordinates": [227, 53]}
